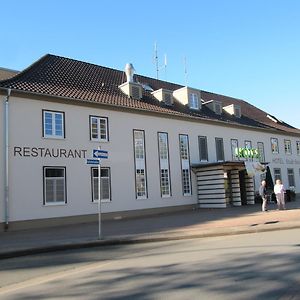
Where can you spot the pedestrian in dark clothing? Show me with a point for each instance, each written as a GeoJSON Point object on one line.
{"type": "Point", "coordinates": [263, 194]}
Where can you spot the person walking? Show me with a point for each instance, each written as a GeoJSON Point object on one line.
{"type": "Point", "coordinates": [279, 192]}
{"type": "Point", "coordinates": [263, 194]}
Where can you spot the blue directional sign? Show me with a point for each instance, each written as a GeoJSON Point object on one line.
{"type": "Point", "coordinates": [100, 153]}
{"type": "Point", "coordinates": [92, 161]}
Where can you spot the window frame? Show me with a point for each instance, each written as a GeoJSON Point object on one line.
{"type": "Point", "coordinates": [233, 154]}
{"type": "Point", "coordinates": [192, 100]}
{"type": "Point", "coordinates": [288, 176]}
{"type": "Point", "coordinates": [92, 184]}
{"type": "Point", "coordinates": [206, 148]}
{"type": "Point", "coordinates": [166, 162]}
{"type": "Point", "coordinates": [183, 162]}
{"type": "Point", "coordinates": [277, 144]}
{"type": "Point", "coordinates": [258, 149]}
{"type": "Point", "coordinates": [137, 168]}
{"type": "Point", "coordinates": [53, 136]}
{"type": "Point", "coordinates": [99, 139]}
{"type": "Point", "coordinates": [298, 147]}
{"type": "Point", "coordinates": [289, 143]}
{"type": "Point", "coordinates": [223, 154]}
{"type": "Point", "coordinates": [274, 171]}
{"type": "Point", "coordinates": [45, 203]}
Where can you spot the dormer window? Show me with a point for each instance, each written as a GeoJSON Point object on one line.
{"type": "Point", "coordinates": [237, 111]}
{"type": "Point", "coordinates": [215, 106]}
{"type": "Point", "coordinates": [218, 108]}
{"type": "Point", "coordinates": [167, 98]}
{"type": "Point", "coordinates": [188, 96]}
{"type": "Point", "coordinates": [233, 109]}
{"type": "Point", "coordinates": [193, 101]}
{"type": "Point", "coordinates": [164, 95]}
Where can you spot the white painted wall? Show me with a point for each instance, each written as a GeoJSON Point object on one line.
{"type": "Point", "coordinates": [26, 176]}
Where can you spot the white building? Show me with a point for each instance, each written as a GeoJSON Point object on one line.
{"type": "Point", "coordinates": [170, 147]}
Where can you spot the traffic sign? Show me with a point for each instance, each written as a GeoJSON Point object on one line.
{"type": "Point", "coordinates": [100, 153]}
{"type": "Point", "coordinates": [93, 161]}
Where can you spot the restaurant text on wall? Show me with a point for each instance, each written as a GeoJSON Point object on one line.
{"type": "Point", "coordinates": [48, 152]}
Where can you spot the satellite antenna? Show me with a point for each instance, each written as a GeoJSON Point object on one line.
{"type": "Point", "coordinates": [157, 67]}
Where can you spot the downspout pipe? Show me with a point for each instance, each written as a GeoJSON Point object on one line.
{"type": "Point", "coordinates": [6, 189]}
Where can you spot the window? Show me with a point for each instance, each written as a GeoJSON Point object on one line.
{"type": "Point", "coordinates": [248, 145]}
{"type": "Point", "coordinates": [163, 149]}
{"type": "Point", "coordinates": [234, 146]}
{"type": "Point", "coordinates": [185, 164]}
{"type": "Point", "coordinates": [203, 153]}
{"type": "Point", "coordinates": [274, 145]}
{"type": "Point", "coordinates": [261, 151]}
{"type": "Point", "coordinates": [237, 111]}
{"type": "Point", "coordinates": [54, 185]}
{"type": "Point", "coordinates": [287, 147]}
{"type": "Point", "coordinates": [140, 164]}
{"type": "Point", "coordinates": [220, 149]}
{"type": "Point", "coordinates": [104, 182]}
{"type": "Point", "coordinates": [168, 99]}
{"type": "Point", "coordinates": [291, 177]}
{"type": "Point", "coordinates": [277, 174]}
{"type": "Point", "coordinates": [53, 124]}
{"type": "Point", "coordinates": [193, 101]}
{"type": "Point", "coordinates": [99, 129]}
{"type": "Point", "coordinates": [298, 147]}
{"type": "Point", "coordinates": [218, 108]}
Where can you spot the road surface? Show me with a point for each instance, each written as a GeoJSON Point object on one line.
{"type": "Point", "coordinates": [250, 266]}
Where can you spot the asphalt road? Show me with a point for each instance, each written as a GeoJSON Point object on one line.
{"type": "Point", "coordinates": [251, 266]}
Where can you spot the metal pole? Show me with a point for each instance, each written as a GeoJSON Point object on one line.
{"type": "Point", "coordinates": [6, 159]}
{"type": "Point", "coordinates": [99, 198]}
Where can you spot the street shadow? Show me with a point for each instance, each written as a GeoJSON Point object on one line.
{"type": "Point", "coordinates": [247, 275]}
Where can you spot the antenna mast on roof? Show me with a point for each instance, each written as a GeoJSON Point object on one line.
{"type": "Point", "coordinates": [185, 71]}
{"type": "Point", "coordinates": [157, 67]}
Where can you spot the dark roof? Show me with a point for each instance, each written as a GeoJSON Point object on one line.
{"type": "Point", "coordinates": [63, 77]}
{"type": "Point", "coordinates": [7, 73]}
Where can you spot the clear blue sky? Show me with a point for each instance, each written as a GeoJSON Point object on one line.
{"type": "Point", "coordinates": [248, 49]}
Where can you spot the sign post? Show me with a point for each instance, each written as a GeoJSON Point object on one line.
{"type": "Point", "coordinates": [98, 154]}
{"type": "Point", "coordinates": [99, 199]}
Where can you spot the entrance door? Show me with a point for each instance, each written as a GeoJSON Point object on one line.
{"type": "Point", "coordinates": [242, 175]}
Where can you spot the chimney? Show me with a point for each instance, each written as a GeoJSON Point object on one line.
{"type": "Point", "coordinates": [129, 71]}
{"type": "Point", "coordinates": [130, 88]}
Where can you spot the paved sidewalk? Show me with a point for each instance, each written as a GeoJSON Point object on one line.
{"type": "Point", "coordinates": [180, 225]}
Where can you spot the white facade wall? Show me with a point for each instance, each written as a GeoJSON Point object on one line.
{"type": "Point", "coordinates": [26, 173]}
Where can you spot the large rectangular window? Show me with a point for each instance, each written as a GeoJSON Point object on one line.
{"type": "Point", "coordinates": [163, 149]}
{"type": "Point", "coordinates": [54, 185]}
{"type": "Point", "coordinates": [291, 177]}
{"type": "Point", "coordinates": [219, 149]}
{"type": "Point", "coordinates": [185, 164]}
{"type": "Point", "coordinates": [277, 174]}
{"type": "Point", "coordinates": [140, 164]}
{"type": "Point", "coordinates": [53, 124]}
{"type": "Point", "coordinates": [104, 184]}
{"type": "Point", "coordinates": [99, 129]}
{"type": "Point", "coordinates": [234, 146]}
{"type": "Point", "coordinates": [203, 152]}
{"type": "Point", "coordinates": [261, 151]}
{"type": "Point", "coordinates": [287, 147]}
{"type": "Point", "coordinates": [274, 145]}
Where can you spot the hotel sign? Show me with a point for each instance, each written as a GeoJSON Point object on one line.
{"type": "Point", "coordinates": [247, 152]}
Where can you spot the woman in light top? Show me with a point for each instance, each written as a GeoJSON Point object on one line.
{"type": "Point", "coordinates": [279, 192]}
